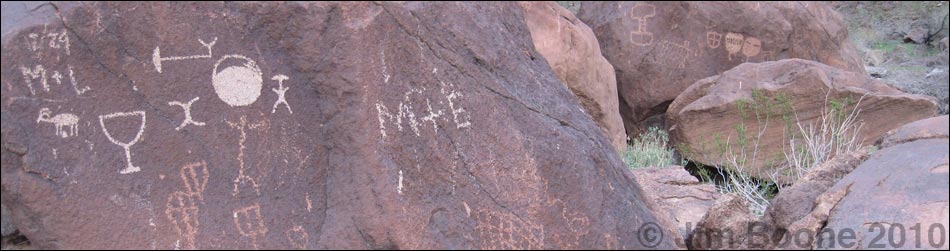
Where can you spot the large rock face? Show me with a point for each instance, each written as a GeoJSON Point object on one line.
{"type": "Point", "coordinates": [753, 109]}
{"type": "Point", "coordinates": [661, 48]}
{"type": "Point", "coordinates": [573, 52]}
{"type": "Point", "coordinates": [900, 187]}
{"type": "Point", "coordinates": [303, 126]}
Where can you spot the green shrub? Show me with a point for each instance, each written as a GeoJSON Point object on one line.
{"type": "Point", "coordinates": [651, 149]}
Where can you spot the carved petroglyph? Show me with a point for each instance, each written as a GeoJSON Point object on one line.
{"type": "Point", "coordinates": [578, 225]}
{"type": "Point", "coordinates": [39, 74]}
{"type": "Point", "coordinates": [713, 39]}
{"type": "Point", "coordinates": [250, 223]}
{"type": "Point", "coordinates": [182, 209]}
{"type": "Point", "coordinates": [242, 178]}
{"type": "Point", "coordinates": [505, 231]}
{"type": "Point", "coordinates": [187, 108]}
{"type": "Point", "coordinates": [298, 237]}
{"type": "Point", "coordinates": [281, 93]}
{"type": "Point", "coordinates": [734, 42]}
{"type": "Point", "coordinates": [68, 121]}
{"type": "Point", "coordinates": [640, 13]}
{"type": "Point", "coordinates": [195, 176]}
{"type": "Point", "coordinates": [157, 58]}
{"type": "Point", "coordinates": [126, 145]}
{"type": "Point", "coordinates": [673, 55]}
{"type": "Point", "coordinates": [751, 47]}
{"type": "Point", "coordinates": [400, 186]}
{"type": "Point", "coordinates": [237, 85]}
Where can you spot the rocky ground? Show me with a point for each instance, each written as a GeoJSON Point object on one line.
{"type": "Point", "coordinates": [470, 125]}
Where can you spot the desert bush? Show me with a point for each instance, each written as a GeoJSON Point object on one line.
{"type": "Point", "coordinates": [651, 149]}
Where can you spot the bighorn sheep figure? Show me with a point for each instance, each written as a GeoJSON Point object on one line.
{"type": "Point", "coordinates": [61, 120]}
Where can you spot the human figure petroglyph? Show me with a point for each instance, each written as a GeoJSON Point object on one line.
{"type": "Point", "coordinates": [250, 223]}
{"type": "Point", "coordinates": [237, 85]}
{"type": "Point", "coordinates": [68, 121]}
{"type": "Point", "coordinates": [640, 13]}
{"type": "Point", "coordinates": [242, 178]}
{"type": "Point", "coordinates": [187, 108]}
{"type": "Point", "coordinates": [127, 146]}
{"type": "Point", "coordinates": [157, 58]}
{"type": "Point", "coordinates": [281, 93]}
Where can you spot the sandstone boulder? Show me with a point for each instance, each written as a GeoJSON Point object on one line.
{"type": "Point", "coordinates": [753, 110]}
{"type": "Point", "coordinates": [195, 125]}
{"type": "Point", "coordinates": [661, 48]}
{"type": "Point", "coordinates": [795, 203]}
{"type": "Point", "coordinates": [573, 52]}
{"type": "Point", "coordinates": [727, 226]}
{"type": "Point", "coordinates": [679, 196]}
{"type": "Point", "coordinates": [899, 189]}
{"type": "Point", "coordinates": [932, 128]}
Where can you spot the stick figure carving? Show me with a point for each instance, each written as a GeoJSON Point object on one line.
{"type": "Point", "coordinates": [281, 93]}
{"type": "Point", "coordinates": [187, 108]}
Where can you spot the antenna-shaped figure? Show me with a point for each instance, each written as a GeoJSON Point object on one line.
{"type": "Point", "coordinates": [157, 58]}
{"type": "Point", "coordinates": [281, 93]}
{"type": "Point", "coordinates": [187, 108]}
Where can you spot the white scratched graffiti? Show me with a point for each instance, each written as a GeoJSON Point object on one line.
{"type": "Point", "coordinates": [405, 113]}
{"type": "Point", "coordinates": [68, 121]}
{"type": "Point", "coordinates": [187, 108]}
{"type": "Point", "coordinates": [157, 58]}
{"type": "Point", "coordinates": [41, 76]}
{"type": "Point", "coordinates": [281, 93]}
{"type": "Point", "coordinates": [46, 40]}
{"type": "Point", "coordinates": [240, 84]}
{"type": "Point", "coordinates": [126, 145]}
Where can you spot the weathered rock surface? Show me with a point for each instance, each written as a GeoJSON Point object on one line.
{"type": "Point", "coordinates": [932, 128]}
{"type": "Point", "coordinates": [661, 48]}
{"type": "Point", "coordinates": [946, 43]}
{"type": "Point", "coordinates": [726, 226]}
{"type": "Point", "coordinates": [898, 187]}
{"type": "Point", "coordinates": [303, 126]}
{"type": "Point", "coordinates": [6, 223]}
{"type": "Point", "coordinates": [904, 185]}
{"type": "Point", "coordinates": [795, 203]}
{"type": "Point", "coordinates": [679, 196]}
{"type": "Point", "coordinates": [571, 49]}
{"type": "Point", "coordinates": [750, 108]}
